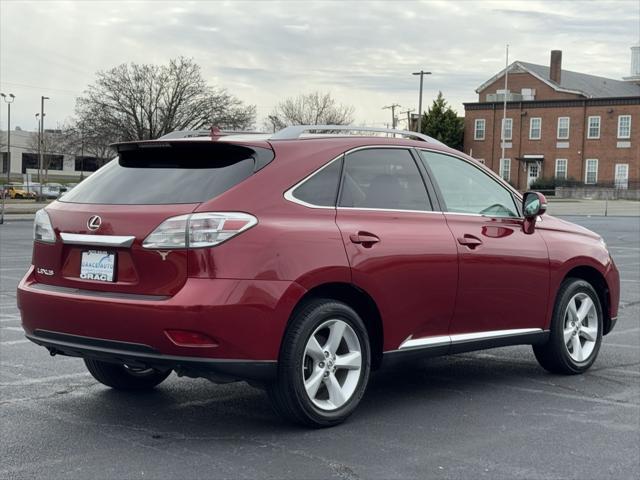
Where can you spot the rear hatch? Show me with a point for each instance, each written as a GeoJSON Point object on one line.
{"type": "Point", "coordinates": [101, 224]}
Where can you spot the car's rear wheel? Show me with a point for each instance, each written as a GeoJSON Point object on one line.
{"type": "Point", "coordinates": [124, 377]}
{"type": "Point", "coordinates": [576, 330]}
{"type": "Point", "coordinates": [324, 365]}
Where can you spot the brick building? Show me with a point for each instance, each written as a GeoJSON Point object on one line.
{"type": "Point", "coordinates": [559, 123]}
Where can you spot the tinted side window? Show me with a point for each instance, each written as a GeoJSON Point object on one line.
{"type": "Point", "coordinates": [385, 178]}
{"type": "Point", "coordinates": [322, 188]}
{"type": "Point", "coordinates": [467, 189]}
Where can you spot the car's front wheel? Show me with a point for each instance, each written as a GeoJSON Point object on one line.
{"type": "Point", "coordinates": [324, 365]}
{"type": "Point", "coordinates": [124, 377]}
{"type": "Point", "coordinates": [576, 330]}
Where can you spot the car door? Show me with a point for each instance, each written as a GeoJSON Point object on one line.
{"type": "Point", "coordinates": [400, 251]}
{"type": "Point", "coordinates": [503, 282]}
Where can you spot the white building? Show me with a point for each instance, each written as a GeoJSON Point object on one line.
{"type": "Point", "coordinates": [24, 157]}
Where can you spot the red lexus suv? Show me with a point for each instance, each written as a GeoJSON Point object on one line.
{"type": "Point", "coordinates": [302, 260]}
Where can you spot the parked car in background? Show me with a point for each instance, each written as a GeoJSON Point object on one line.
{"type": "Point", "coordinates": [53, 190]}
{"type": "Point", "coordinates": [17, 191]}
{"type": "Point", "coordinates": [301, 263]}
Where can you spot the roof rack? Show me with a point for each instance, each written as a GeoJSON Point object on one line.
{"type": "Point", "coordinates": [296, 131]}
{"type": "Point", "coordinates": [185, 134]}
{"type": "Point", "coordinates": [212, 132]}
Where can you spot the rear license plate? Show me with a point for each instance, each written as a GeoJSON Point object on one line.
{"type": "Point", "coordinates": [98, 265]}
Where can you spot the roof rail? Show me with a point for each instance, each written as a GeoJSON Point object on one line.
{"type": "Point", "coordinates": [296, 131]}
{"type": "Point", "coordinates": [212, 132]}
{"type": "Point", "coordinates": [185, 134]}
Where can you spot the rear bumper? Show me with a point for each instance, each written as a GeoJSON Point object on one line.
{"type": "Point", "coordinates": [135, 354]}
{"type": "Point", "coordinates": [245, 318]}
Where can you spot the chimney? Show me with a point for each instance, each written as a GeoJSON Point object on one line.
{"type": "Point", "coordinates": [555, 68]}
{"type": "Point", "coordinates": [635, 61]}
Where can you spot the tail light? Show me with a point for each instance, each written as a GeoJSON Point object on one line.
{"type": "Point", "coordinates": [42, 229]}
{"type": "Point", "coordinates": [199, 230]}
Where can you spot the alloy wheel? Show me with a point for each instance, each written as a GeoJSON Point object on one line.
{"type": "Point", "coordinates": [580, 327]}
{"type": "Point", "coordinates": [332, 364]}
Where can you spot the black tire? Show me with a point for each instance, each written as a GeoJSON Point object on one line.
{"type": "Point", "coordinates": [555, 355]}
{"type": "Point", "coordinates": [121, 377]}
{"type": "Point", "coordinates": [288, 394]}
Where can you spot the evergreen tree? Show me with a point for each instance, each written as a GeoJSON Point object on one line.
{"type": "Point", "coordinates": [442, 123]}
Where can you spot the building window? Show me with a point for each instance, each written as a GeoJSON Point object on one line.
{"type": "Point", "coordinates": [622, 175]}
{"type": "Point", "coordinates": [507, 128]}
{"type": "Point", "coordinates": [561, 168]}
{"type": "Point", "coordinates": [535, 128]}
{"type": "Point", "coordinates": [591, 171]}
{"type": "Point", "coordinates": [479, 129]}
{"type": "Point", "coordinates": [505, 168]}
{"type": "Point", "coordinates": [593, 130]}
{"type": "Point", "coordinates": [563, 128]}
{"type": "Point", "coordinates": [624, 126]}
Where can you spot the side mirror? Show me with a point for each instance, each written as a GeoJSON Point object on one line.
{"type": "Point", "coordinates": [533, 204]}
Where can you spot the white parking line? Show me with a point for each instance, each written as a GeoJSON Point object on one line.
{"type": "Point", "coordinates": [628, 330]}
{"type": "Point", "coordinates": [35, 381]}
{"type": "Point", "coordinates": [13, 329]}
{"type": "Point", "coordinates": [14, 342]}
{"type": "Point", "coordinates": [622, 370]}
{"type": "Point", "coordinates": [622, 345]}
{"type": "Point", "coordinates": [9, 320]}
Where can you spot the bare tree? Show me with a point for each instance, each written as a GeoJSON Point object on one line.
{"type": "Point", "coordinates": [314, 108]}
{"type": "Point", "coordinates": [140, 102]}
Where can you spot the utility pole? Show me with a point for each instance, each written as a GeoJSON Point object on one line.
{"type": "Point", "coordinates": [408, 112]}
{"type": "Point", "coordinates": [392, 107]}
{"type": "Point", "coordinates": [40, 139]}
{"type": "Point", "coordinates": [422, 73]}
{"type": "Point", "coordinates": [8, 102]}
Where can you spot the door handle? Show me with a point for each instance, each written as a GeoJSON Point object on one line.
{"type": "Point", "coordinates": [364, 238]}
{"type": "Point", "coordinates": [469, 241]}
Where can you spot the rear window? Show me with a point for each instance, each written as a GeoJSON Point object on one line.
{"type": "Point", "coordinates": [169, 173]}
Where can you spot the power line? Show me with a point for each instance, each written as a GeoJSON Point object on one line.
{"type": "Point", "coordinates": [75, 92]}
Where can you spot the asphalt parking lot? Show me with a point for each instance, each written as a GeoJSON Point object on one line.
{"type": "Point", "coordinates": [492, 414]}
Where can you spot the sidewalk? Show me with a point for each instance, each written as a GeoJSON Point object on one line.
{"type": "Point", "coordinates": [24, 211]}
{"type": "Point", "coordinates": [595, 208]}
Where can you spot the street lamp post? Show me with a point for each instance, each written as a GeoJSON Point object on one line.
{"type": "Point", "coordinates": [422, 73]}
{"type": "Point", "coordinates": [40, 139]}
{"type": "Point", "coordinates": [8, 102]}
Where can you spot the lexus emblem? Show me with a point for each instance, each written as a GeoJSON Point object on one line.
{"type": "Point", "coordinates": [94, 222]}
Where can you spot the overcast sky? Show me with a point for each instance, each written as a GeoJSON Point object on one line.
{"type": "Point", "coordinates": [361, 52]}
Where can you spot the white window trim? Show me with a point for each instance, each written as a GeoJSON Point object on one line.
{"type": "Point", "coordinates": [475, 129]}
{"type": "Point", "coordinates": [531, 137]}
{"type": "Point", "coordinates": [589, 136]}
{"type": "Point", "coordinates": [586, 171]}
{"type": "Point", "coordinates": [615, 175]}
{"type": "Point", "coordinates": [504, 129]}
{"type": "Point", "coordinates": [568, 128]}
{"type": "Point", "coordinates": [566, 167]}
{"type": "Point", "coordinates": [620, 117]}
{"type": "Point", "coordinates": [505, 161]}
